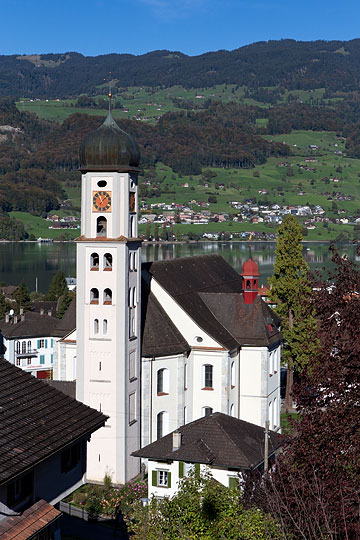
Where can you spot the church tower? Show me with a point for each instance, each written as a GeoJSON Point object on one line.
{"type": "Point", "coordinates": [108, 299]}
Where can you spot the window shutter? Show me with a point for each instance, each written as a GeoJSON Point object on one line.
{"type": "Point", "coordinates": [154, 478]}
{"type": "Point", "coordinates": [38, 345]}
{"type": "Point", "coordinates": [52, 342]}
{"type": "Point", "coordinates": [233, 482]}
{"type": "Point", "coordinates": [169, 480]}
{"type": "Point", "coordinates": [181, 469]}
{"type": "Point", "coordinates": [197, 469]}
{"type": "Point", "coordinates": [45, 343]}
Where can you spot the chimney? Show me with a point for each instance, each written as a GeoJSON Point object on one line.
{"type": "Point", "coordinates": [7, 317]}
{"type": "Point", "coordinates": [50, 312]}
{"type": "Point", "coordinates": [22, 317]}
{"type": "Point", "coordinates": [15, 319]}
{"type": "Point", "coordinates": [176, 440]}
{"type": "Point", "coordinates": [21, 311]}
{"type": "Point", "coordinates": [42, 311]}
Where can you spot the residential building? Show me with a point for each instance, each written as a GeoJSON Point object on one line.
{"type": "Point", "coordinates": [218, 444]}
{"type": "Point", "coordinates": [43, 440]}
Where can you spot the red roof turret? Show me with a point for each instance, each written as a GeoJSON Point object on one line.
{"type": "Point", "coordinates": [250, 268]}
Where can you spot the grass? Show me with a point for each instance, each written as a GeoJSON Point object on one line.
{"type": "Point", "coordinates": [40, 227]}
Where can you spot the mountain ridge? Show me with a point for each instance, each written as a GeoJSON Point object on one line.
{"type": "Point", "coordinates": [287, 63]}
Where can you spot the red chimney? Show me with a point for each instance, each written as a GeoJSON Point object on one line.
{"type": "Point", "coordinates": [250, 274]}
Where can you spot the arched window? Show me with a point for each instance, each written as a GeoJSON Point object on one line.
{"type": "Point", "coordinates": [232, 374]}
{"type": "Point", "coordinates": [108, 260]}
{"type": "Point", "coordinates": [248, 284]}
{"type": "Point", "coordinates": [18, 347]}
{"type": "Point", "coordinates": [101, 226]}
{"type": "Point", "coordinates": [132, 227]}
{"type": "Point", "coordinates": [96, 326]}
{"type": "Point", "coordinates": [232, 410]}
{"type": "Point", "coordinates": [255, 283]}
{"type": "Point", "coordinates": [274, 418]}
{"type": "Point", "coordinates": [105, 327]}
{"type": "Point", "coordinates": [94, 261]}
{"type": "Point", "coordinates": [162, 424]}
{"type": "Point", "coordinates": [133, 297]}
{"type": "Point", "coordinates": [107, 297]}
{"type": "Point", "coordinates": [207, 376]}
{"type": "Point", "coordinates": [163, 381]}
{"type": "Point", "coordinates": [94, 296]}
{"type": "Point", "coordinates": [206, 411]}
{"type": "Point", "coordinates": [23, 347]}
{"type": "Point", "coordinates": [29, 346]}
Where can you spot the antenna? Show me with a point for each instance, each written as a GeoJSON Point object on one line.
{"type": "Point", "coordinates": [110, 93]}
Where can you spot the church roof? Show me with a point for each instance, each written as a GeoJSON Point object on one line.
{"type": "Point", "coordinates": [160, 337]}
{"type": "Point", "coordinates": [109, 148]}
{"type": "Point", "coordinates": [216, 439]}
{"type": "Point", "coordinates": [184, 278]}
{"type": "Point", "coordinates": [210, 292]}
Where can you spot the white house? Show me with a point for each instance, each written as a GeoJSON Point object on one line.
{"type": "Point", "coordinates": [218, 444]}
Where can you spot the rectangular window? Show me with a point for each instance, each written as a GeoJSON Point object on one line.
{"type": "Point", "coordinates": [41, 343]}
{"type": "Point", "coordinates": [20, 490]}
{"type": "Point", "coordinates": [28, 361]}
{"type": "Point", "coordinates": [208, 376]}
{"type": "Point", "coordinates": [163, 478]}
{"type": "Point", "coordinates": [132, 365]}
{"type": "Point", "coordinates": [42, 359]}
{"type": "Point", "coordinates": [52, 358]}
{"type": "Point", "coordinates": [70, 457]}
{"type": "Point", "coordinates": [17, 361]}
{"type": "Point", "coordinates": [132, 408]}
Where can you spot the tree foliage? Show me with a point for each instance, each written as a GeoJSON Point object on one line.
{"type": "Point", "coordinates": [22, 297]}
{"type": "Point", "coordinates": [291, 292]}
{"type": "Point", "coordinates": [315, 487]}
{"type": "Point", "coordinates": [202, 509]}
{"type": "Point", "coordinates": [58, 287]}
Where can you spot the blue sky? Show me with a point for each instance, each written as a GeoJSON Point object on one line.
{"type": "Point", "coordinates": [95, 27]}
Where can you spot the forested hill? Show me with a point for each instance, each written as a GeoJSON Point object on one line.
{"type": "Point", "coordinates": [334, 65]}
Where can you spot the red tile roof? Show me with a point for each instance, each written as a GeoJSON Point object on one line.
{"type": "Point", "coordinates": [31, 521]}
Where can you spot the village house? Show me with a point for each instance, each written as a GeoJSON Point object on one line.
{"type": "Point", "coordinates": [43, 441]}
{"type": "Point", "coordinates": [218, 444]}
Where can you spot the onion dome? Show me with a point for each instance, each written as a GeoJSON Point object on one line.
{"type": "Point", "coordinates": [250, 268]}
{"type": "Point", "coordinates": [109, 148]}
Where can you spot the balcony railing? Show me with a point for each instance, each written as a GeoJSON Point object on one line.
{"type": "Point", "coordinates": [27, 353]}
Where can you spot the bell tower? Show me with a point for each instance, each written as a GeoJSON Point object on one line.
{"type": "Point", "coordinates": [108, 299]}
{"type": "Point", "coordinates": [250, 275]}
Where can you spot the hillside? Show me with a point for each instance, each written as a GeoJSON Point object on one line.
{"type": "Point", "coordinates": [334, 65]}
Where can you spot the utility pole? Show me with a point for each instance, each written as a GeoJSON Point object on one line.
{"type": "Point", "coordinates": [266, 450]}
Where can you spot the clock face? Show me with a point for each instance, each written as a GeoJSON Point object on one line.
{"type": "Point", "coordinates": [101, 201]}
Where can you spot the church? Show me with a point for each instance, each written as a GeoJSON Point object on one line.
{"type": "Point", "coordinates": [159, 344]}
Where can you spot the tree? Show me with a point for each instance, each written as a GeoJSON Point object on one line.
{"type": "Point", "coordinates": [65, 301]}
{"type": "Point", "coordinates": [3, 306]}
{"type": "Point", "coordinates": [314, 488]}
{"type": "Point", "coordinates": [291, 292]}
{"type": "Point", "coordinates": [202, 509]}
{"type": "Point", "coordinates": [22, 297]}
{"type": "Point", "coordinates": [58, 287]}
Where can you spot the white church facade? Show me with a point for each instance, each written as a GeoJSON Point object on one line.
{"type": "Point", "coordinates": [161, 344]}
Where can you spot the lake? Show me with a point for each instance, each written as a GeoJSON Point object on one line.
{"type": "Point", "coordinates": [28, 261]}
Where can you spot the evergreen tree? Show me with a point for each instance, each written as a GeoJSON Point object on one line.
{"type": "Point", "coordinates": [58, 287]}
{"type": "Point", "coordinates": [3, 306]}
{"type": "Point", "coordinates": [148, 230]}
{"type": "Point", "coordinates": [65, 301]}
{"type": "Point", "coordinates": [291, 292]}
{"type": "Point", "coordinates": [22, 297]}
